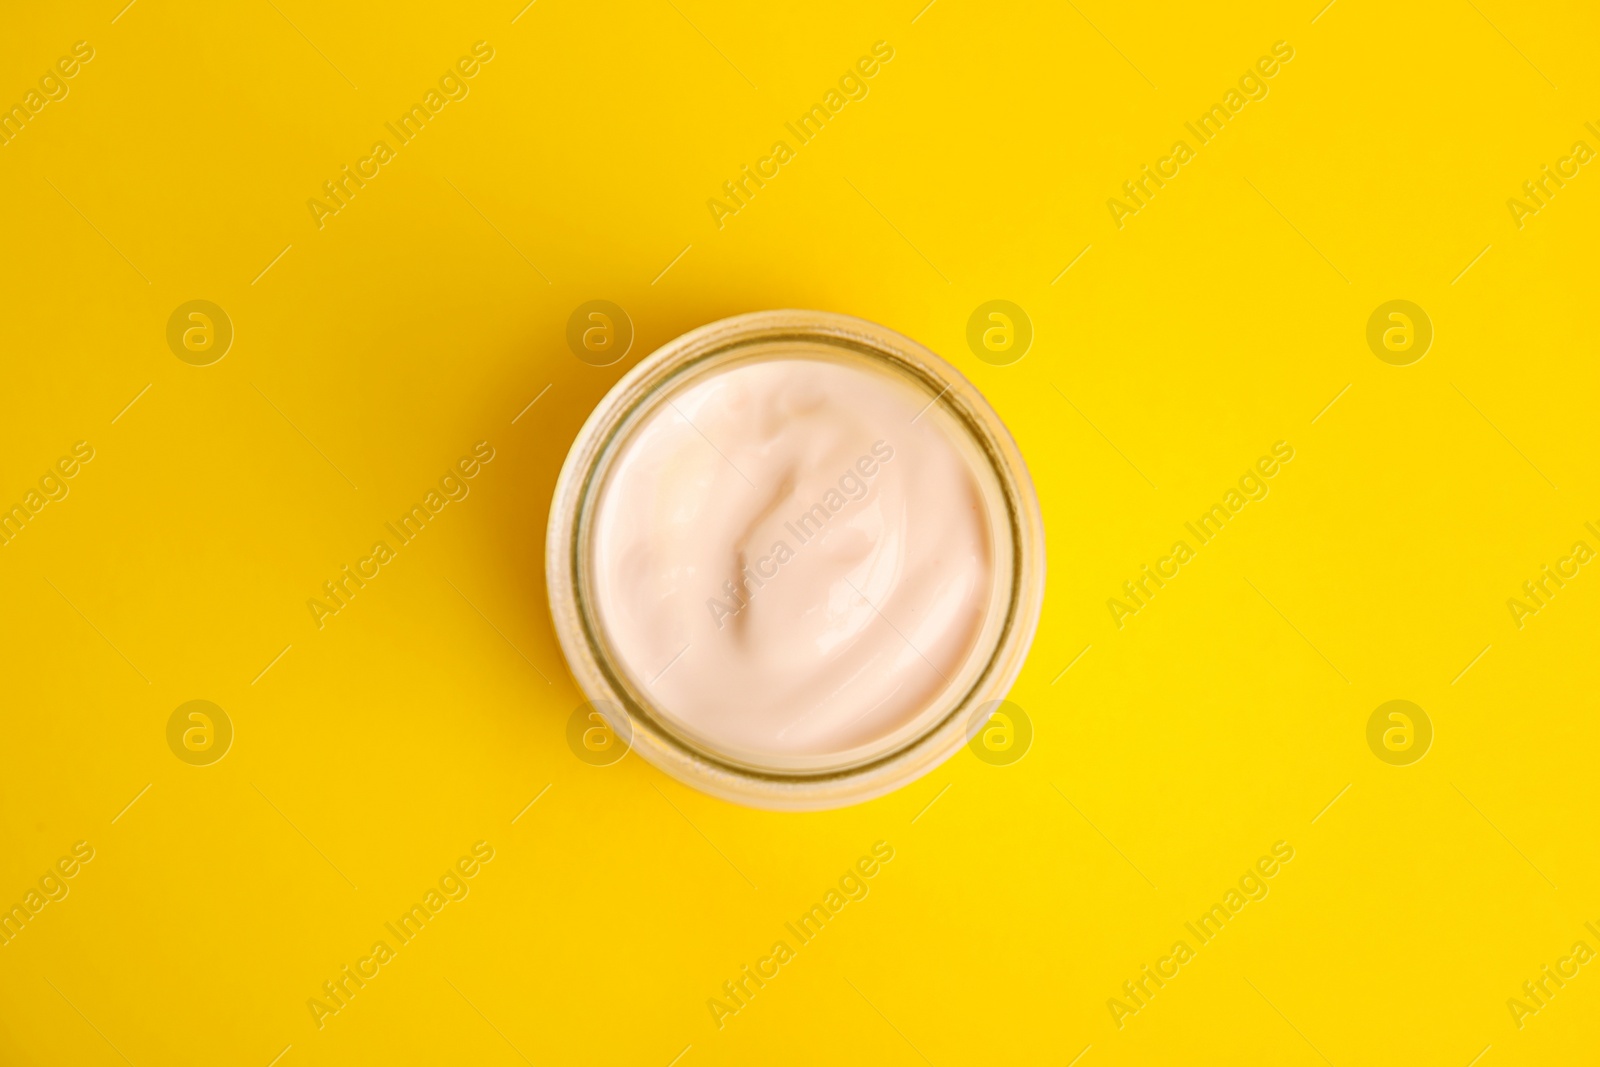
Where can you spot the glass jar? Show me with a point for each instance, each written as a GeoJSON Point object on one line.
{"type": "Point", "coordinates": [951, 717]}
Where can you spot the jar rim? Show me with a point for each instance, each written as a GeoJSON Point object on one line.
{"type": "Point", "coordinates": [600, 677]}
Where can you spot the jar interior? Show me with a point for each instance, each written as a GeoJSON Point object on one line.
{"type": "Point", "coordinates": [656, 697]}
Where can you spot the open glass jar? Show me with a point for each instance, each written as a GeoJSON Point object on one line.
{"type": "Point", "coordinates": [626, 579]}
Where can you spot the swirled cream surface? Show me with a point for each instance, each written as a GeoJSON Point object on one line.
{"type": "Point", "coordinates": [791, 557]}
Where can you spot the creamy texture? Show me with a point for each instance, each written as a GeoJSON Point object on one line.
{"type": "Point", "coordinates": [792, 558]}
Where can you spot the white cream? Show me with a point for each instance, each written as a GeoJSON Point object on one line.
{"type": "Point", "coordinates": [792, 558]}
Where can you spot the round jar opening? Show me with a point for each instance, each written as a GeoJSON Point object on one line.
{"type": "Point", "coordinates": [790, 554]}
{"type": "Point", "coordinates": [793, 557]}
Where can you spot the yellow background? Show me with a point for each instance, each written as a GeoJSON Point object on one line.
{"type": "Point", "coordinates": [1223, 317]}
